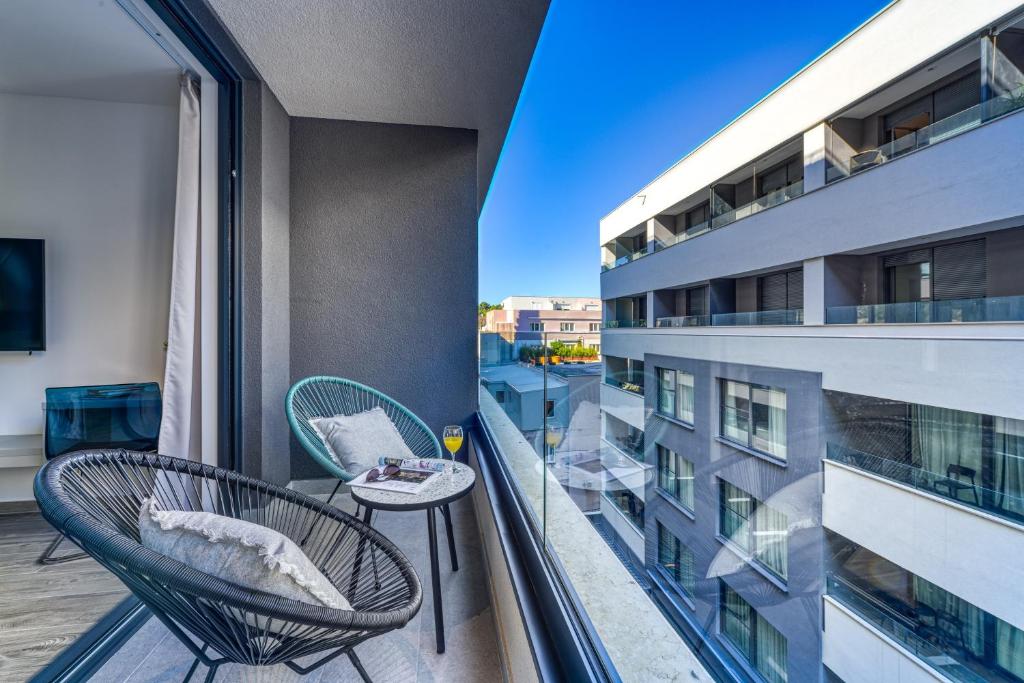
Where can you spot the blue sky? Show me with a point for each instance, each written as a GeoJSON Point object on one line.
{"type": "Point", "coordinates": [617, 92]}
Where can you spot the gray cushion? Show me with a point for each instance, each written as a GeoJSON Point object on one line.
{"type": "Point", "coordinates": [243, 553]}
{"type": "Point", "coordinates": [356, 442]}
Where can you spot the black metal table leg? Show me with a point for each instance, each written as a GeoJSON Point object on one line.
{"type": "Point", "coordinates": [435, 579]}
{"type": "Point", "coordinates": [451, 537]}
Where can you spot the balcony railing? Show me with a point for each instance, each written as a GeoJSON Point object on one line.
{"type": "Point", "coordinates": [623, 260]}
{"type": "Point", "coordinates": [684, 321]}
{"type": "Point", "coordinates": [943, 129]}
{"type": "Point", "coordinates": [987, 309]}
{"type": "Point", "coordinates": [965, 491]}
{"type": "Point", "coordinates": [899, 628]}
{"type": "Point", "coordinates": [631, 386]}
{"type": "Point", "coordinates": [689, 233]}
{"type": "Point", "coordinates": [786, 316]}
{"type": "Point", "coordinates": [619, 324]}
{"type": "Point", "coordinates": [769, 200]}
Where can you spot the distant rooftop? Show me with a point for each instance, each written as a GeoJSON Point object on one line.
{"type": "Point", "coordinates": [520, 377]}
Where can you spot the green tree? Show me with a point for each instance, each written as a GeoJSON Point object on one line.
{"type": "Point", "coordinates": [482, 309]}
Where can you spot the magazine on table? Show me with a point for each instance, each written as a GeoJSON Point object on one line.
{"type": "Point", "coordinates": [412, 476]}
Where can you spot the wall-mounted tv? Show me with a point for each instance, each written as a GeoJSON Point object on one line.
{"type": "Point", "coordinates": [22, 295]}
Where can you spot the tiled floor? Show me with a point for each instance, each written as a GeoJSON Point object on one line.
{"type": "Point", "coordinates": [154, 655]}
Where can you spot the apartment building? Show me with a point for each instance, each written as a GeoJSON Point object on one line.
{"type": "Point", "coordinates": [523, 320]}
{"type": "Point", "coordinates": [813, 338]}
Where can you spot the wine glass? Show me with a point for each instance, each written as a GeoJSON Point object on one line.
{"type": "Point", "coordinates": [453, 442]}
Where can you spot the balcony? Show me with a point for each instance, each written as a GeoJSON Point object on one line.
{"type": "Point", "coordinates": [984, 309]}
{"type": "Point", "coordinates": [684, 321]}
{"type": "Point", "coordinates": [951, 485]}
{"type": "Point", "coordinates": [623, 260]}
{"type": "Point", "coordinates": [623, 324]}
{"type": "Point", "coordinates": [941, 130]}
{"type": "Point", "coordinates": [767, 201]}
{"type": "Point", "coordinates": [888, 624]}
{"type": "Point", "coordinates": [787, 316]}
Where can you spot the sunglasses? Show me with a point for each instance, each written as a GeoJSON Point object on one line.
{"type": "Point", "coordinates": [376, 473]}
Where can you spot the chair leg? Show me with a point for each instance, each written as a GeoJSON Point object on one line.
{"type": "Point", "coordinates": [48, 558]}
{"type": "Point", "coordinates": [334, 492]}
{"type": "Point", "coordinates": [195, 665]}
{"type": "Point", "coordinates": [359, 667]}
{"type": "Point", "coordinates": [211, 674]}
{"type": "Point", "coordinates": [451, 537]}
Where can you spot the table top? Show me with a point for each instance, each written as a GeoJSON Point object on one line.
{"type": "Point", "coordinates": [444, 488]}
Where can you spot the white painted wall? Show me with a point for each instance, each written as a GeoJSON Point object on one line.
{"type": "Point", "coordinates": [939, 541]}
{"type": "Point", "coordinates": [625, 405]}
{"type": "Point", "coordinates": [896, 41]}
{"type": "Point", "coordinates": [96, 180]}
{"type": "Point", "coordinates": [858, 653]}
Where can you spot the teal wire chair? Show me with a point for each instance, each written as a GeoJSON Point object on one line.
{"type": "Point", "coordinates": [325, 396]}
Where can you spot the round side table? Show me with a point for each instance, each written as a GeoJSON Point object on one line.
{"type": "Point", "coordinates": [446, 488]}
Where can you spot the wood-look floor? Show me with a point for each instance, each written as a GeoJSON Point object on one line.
{"type": "Point", "coordinates": [43, 609]}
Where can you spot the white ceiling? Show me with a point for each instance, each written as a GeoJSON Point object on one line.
{"type": "Point", "coordinates": [454, 63]}
{"type": "Point", "coordinates": [81, 48]}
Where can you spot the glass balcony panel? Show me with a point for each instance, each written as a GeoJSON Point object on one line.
{"type": "Point", "coordinates": [619, 324]}
{"type": "Point", "coordinates": [938, 131]}
{"type": "Point", "coordinates": [684, 321]}
{"type": "Point", "coordinates": [1008, 504]}
{"type": "Point", "coordinates": [789, 316]}
{"type": "Point", "coordinates": [988, 309]}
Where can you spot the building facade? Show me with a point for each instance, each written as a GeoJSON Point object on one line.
{"type": "Point", "coordinates": [813, 346]}
{"type": "Point", "coordinates": [524, 320]}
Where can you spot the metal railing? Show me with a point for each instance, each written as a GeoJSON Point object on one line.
{"type": "Point", "coordinates": [985, 309]}
{"type": "Point", "coordinates": [899, 628]}
{"type": "Point", "coordinates": [1007, 505]}
{"type": "Point", "coordinates": [625, 385]}
{"type": "Point", "coordinates": [785, 316]}
{"type": "Point", "coordinates": [943, 129]}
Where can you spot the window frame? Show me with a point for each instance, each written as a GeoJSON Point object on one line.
{"type": "Point", "coordinates": [751, 545]}
{"type": "Point", "coordinates": [566, 327]}
{"type": "Point", "coordinates": [667, 468]}
{"type": "Point", "coordinates": [753, 623]}
{"type": "Point", "coordinates": [687, 586]}
{"type": "Point", "coordinates": [748, 414]}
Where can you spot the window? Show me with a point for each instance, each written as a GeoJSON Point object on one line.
{"type": "Point", "coordinates": [757, 641]}
{"type": "Point", "coordinates": [759, 530]}
{"type": "Point", "coordinates": [675, 476]}
{"type": "Point", "coordinates": [781, 291]}
{"type": "Point", "coordinates": [675, 394]}
{"type": "Point", "coordinates": [666, 391]}
{"type": "Point", "coordinates": [595, 327]}
{"type": "Point", "coordinates": [499, 396]}
{"type": "Point", "coordinates": [567, 327]}
{"type": "Point", "coordinates": [536, 327]}
{"type": "Point", "coordinates": [677, 561]}
{"type": "Point", "coordinates": [754, 416]}
{"type": "Point", "coordinates": [549, 408]}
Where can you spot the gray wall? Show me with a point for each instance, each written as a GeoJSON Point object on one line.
{"type": "Point", "coordinates": [384, 264]}
{"type": "Point", "coordinates": [793, 488]}
{"type": "Point", "coordinates": [265, 283]}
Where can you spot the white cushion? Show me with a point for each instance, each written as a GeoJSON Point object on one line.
{"type": "Point", "coordinates": [243, 553]}
{"type": "Point", "coordinates": [356, 442]}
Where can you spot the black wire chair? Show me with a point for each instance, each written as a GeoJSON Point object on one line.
{"type": "Point", "coordinates": [94, 498]}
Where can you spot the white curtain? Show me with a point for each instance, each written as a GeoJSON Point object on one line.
{"type": "Point", "coordinates": [180, 428]}
{"type": "Point", "coordinates": [943, 437]}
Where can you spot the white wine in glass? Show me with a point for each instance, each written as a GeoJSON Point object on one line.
{"type": "Point", "coordinates": [453, 442]}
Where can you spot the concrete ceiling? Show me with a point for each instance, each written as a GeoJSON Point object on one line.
{"type": "Point", "coordinates": [88, 49]}
{"type": "Point", "coordinates": [453, 63]}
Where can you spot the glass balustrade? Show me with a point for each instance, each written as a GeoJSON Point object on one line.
{"type": "Point", "coordinates": [987, 309]}
{"type": "Point", "coordinates": [962, 486]}
{"type": "Point", "coordinates": [788, 316]}
{"type": "Point", "coordinates": [943, 129]}
{"type": "Point", "coordinates": [684, 321]}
